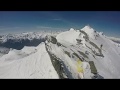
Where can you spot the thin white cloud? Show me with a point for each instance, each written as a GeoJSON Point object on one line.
{"type": "Point", "coordinates": [57, 19]}
{"type": "Point", "coordinates": [44, 27]}
{"type": "Point", "coordinates": [47, 27]}
{"type": "Point", "coordinates": [8, 28]}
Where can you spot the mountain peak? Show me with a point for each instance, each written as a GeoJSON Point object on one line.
{"type": "Point", "coordinates": [72, 29]}
{"type": "Point", "coordinates": [87, 27]}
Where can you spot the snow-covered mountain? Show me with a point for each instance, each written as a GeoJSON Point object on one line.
{"type": "Point", "coordinates": [18, 41]}
{"type": "Point", "coordinates": [72, 54]}
{"type": "Point", "coordinates": [26, 35]}
{"type": "Point", "coordinates": [117, 40]}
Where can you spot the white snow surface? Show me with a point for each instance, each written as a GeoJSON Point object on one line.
{"type": "Point", "coordinates": [107, 66]}
{"type": "Point", "coordinates": [35, 62]}
{"type": "Point", "coordinates": [35, 65]}
{"type": "Point", "coordinates": [68, 36]}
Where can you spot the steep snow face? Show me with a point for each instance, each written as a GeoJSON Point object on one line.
{"type": "Point", "coordinates": [70, 63]}
{"type": "Point", "coordinates": [34, 65]}
{"type": "Point", "coordinates": [90, 31]}
{"type": "Point", "coordinates": [106, 59]}
{"type": "Point", "coordinates": [108, 66]}
{"type": "Point", "coordinates": [68, 36]}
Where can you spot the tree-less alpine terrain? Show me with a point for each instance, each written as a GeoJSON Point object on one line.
{"type": "Point", "coordinates": [72, 54]}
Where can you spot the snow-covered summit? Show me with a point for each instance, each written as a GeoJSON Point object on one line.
{"type": "Point", "coordinates": [87, 28]}
{"type": "Point", "coordinates": [70, 54]}
{"type": "Point", "coordinates": [68, 36]}
{"type": "Point", "coordinates": [72, 29]}
{"type": "Point", "coordinates": [90, 31]}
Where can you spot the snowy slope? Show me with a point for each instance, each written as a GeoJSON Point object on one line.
{"type": "Point", "coordinates": [90, 31]}
{"type": "Point", "coordinates": [66, 36]}
{"type": "Point", "coordinates": [68, 54]}
{"type": "Point", "coordinates": [35, 65]}
{"type": "Point", "coordinates": [69, 63]}
{"type": "Point", "coordinates": [107, 66]}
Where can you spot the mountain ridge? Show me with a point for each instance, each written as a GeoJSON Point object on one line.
{"type": "Point", "coordinates": [72, 54]}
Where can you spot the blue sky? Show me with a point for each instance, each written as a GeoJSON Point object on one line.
{"type": "Point", "coordinates": [25, 21]}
